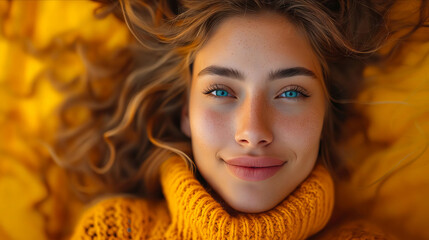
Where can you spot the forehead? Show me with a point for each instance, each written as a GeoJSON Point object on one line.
{"type": "Point", "coordinates": [264, 41]}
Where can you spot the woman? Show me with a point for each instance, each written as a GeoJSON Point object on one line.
{"type": "Point", "coordinates": [245, 93]}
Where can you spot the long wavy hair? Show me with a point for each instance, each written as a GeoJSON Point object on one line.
{"type": "Point", "coordinates": [132, 120]}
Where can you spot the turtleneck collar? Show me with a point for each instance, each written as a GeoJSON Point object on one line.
{"type": "Point", "coordinates": [195, 214]}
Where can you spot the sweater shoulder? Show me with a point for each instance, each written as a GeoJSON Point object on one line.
{"type": "Point", "coordinates": [354, 229]}
{"type": "Point", "coordinates": [121, 218]}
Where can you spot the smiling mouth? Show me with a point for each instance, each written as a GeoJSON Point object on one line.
{"type": "Point", "coordinates": [254, 168]}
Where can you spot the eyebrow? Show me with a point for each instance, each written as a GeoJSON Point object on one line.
{"type": "Point", "coordinates": [273, 75]}
{"type": "Point", "coordinates": [291, 72]}
{"type": "Point", "coordinates": [222, 71]}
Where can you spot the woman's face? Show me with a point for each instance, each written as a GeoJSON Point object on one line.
{"type": "Point", "coordinates": [256, 110]}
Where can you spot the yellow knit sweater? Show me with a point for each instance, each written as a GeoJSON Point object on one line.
{"type": "Point", "coordinates": [189, 212]}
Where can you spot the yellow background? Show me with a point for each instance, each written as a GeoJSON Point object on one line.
{"type": "Point", "coordinates": [35, 202]}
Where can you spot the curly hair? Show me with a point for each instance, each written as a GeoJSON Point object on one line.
{"type": "Point", "coordinates": [132, 119]}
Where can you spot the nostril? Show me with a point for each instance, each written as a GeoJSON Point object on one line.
{"type": "Point", "coordinates": [247, 142]}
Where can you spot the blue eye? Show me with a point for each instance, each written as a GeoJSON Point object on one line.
{"type": "Point", "coordinates": [290, 94]}
{"type": "Point", "coordinates": [220, 93]}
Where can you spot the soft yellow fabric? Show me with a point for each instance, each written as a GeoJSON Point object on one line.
{"type": "Point", "coordinates": [191, 213]}
{"type": "Point", "coordinates": [353, 230]}
{"type": "Point", "coordinates": [396, 102]}
{"type": "Point", "coordinates": [35, 202]}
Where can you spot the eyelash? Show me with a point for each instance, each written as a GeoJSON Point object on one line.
{"type": "Point", "coordinates": [300, 90]}
{"type": "Point", "coordinates": [214, 87]}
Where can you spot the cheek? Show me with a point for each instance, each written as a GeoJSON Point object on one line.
{"type": "Point", "coordinates": [302, 132]}
{"type": "Point", "coordinates": [209, 127]}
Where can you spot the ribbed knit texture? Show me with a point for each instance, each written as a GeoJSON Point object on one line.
{"type": "Point", "coordinates": [190, 212]}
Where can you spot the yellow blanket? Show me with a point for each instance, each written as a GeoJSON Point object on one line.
{"type": "Point", "coordinates": [35, 202]}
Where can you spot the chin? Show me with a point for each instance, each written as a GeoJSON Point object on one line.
{"type": "Point", "coordinates": [251, 207]}
{"type": "Point", "coordinates": [248, 200]}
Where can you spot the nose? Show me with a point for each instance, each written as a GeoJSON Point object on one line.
{"type": "Point", "coordinates": [253, 127]}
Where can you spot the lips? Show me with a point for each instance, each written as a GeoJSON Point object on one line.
{"type": "Point", "coordinates": [254, 168]}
